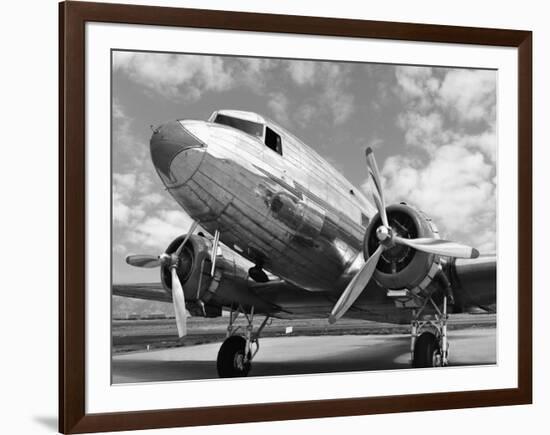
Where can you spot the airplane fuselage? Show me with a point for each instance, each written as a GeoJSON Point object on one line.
{"type": "Point", "coordinates": [286, 209]}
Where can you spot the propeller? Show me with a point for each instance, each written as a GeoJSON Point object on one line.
{"type": "Point", "coordinates": [387, 239]}
{"type": "Point", "coordinates": [356, 286]}
{"type": "Point", "coordinates": [147, 261]}
{"type": "Point", "coordinates": [439, 247]}
{"type": "Point", "coordinates": [170, 260]}
{"type": "Point", "coordinates": [178, 299]}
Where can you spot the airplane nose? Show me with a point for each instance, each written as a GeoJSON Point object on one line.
{"type": "Point", "coordinates": [167, 142]}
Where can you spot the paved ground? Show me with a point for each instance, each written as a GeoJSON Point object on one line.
{"type": "Point", "coordinates": [301, 355]}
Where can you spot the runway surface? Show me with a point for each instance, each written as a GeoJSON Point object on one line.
{"type": "Point", "coordinates": [301, 355]}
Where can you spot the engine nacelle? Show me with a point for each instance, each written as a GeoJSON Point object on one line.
{"type": "Point", "coordinates": [402, 267]}
{"type": "Point", "coordinates": [195, 253]}
{"type": "Point", "coordinates": [205, 293]}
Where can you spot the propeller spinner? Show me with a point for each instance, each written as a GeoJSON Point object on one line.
{"type": "Point", "coordinates": [387, 240]}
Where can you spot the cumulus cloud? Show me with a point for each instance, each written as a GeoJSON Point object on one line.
{"type": "Point", "coordinates": [143, 219]}
{"type": "Point", "coordinates": [188, 77]}
{"type": "Point", "coordinates": [124, 181]}
{"type": "Point", "coordinates": [329, 81]}
{"type": "Point", "coordinates": [341, 104]}
{"type": "Point", "coordinates": [252, 73]}
{"type": "Point", "coordinates": [464, 96]}
{"type": "Point", "coordinates": [142, 214]}
{"type": "Point", "coordinates": [126, 210]}
{"type": "Point", "coordinates": [122, 213]}
{"type": "Point", "coordinates": [175, 76]}
{"type": "Point", "coordinates": [448, 122]}
{"type": "Point", "coordinates": [305, 113]}
{"type": "Point", "coordinates": [128, 150]}
{"type": "Point", "coordinates": [423, 130]}
{"type": "Point", "coordinates": [278, 104]}
{"type": "Point", "coordinates": [418, 85]}
{"type": "Point", "coordinates": [454, 187]}
{"type": "Point", "coordinates": [302, 72]}
{"type": "Point", "coordinates": [153, 198]}
{"type": "Point", "coordinates": [469, 94]}
{"type": "Point", "coordinates": [158, 229]}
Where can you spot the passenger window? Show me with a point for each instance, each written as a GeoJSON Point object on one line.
{"type": "Point", "coordinates": [273, 141]}
{"type": "Point", "coordinates": [364, 220]}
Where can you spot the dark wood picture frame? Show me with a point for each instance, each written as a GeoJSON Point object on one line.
{"type": "Point", "coordinates": [72, 167]}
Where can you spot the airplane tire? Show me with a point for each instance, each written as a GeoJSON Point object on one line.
{"type": "Point", "coordinates": [426, 351]}
{"type": "Point", "coordinates": [230, 363]}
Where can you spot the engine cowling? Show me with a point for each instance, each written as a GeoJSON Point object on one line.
{"type": "Point", "coordinates": [401, 267]}
{"type": "Point", "coordinates": [196, 251]}
{"type": "Point", "coordinates": [205, 293]}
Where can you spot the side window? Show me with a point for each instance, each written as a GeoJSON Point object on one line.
{"type": "Point", "coordinates": [273, 141]}
{"type": "Point", "coordinates": [364, 220]}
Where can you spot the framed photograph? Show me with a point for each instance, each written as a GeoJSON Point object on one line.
{"type": "Point", "coordinates": [355, 196]}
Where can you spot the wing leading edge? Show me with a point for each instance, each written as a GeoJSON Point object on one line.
{"type": "Point", "coordinates": [147, 291]}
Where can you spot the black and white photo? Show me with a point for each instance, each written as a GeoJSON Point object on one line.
{"type": "Point", "coordinates": [290, 217]}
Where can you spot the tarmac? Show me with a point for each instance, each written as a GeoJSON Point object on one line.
{"type": "Point", "coordinates": [293, 355]}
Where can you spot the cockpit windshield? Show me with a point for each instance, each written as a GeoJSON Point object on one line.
{"type": "Point", "coordinates": [252, 128]}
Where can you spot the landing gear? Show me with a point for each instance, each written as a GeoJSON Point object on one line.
{"type": "Point", "coordinates": [236, 354]}
{"type": "Point", "coordinates": [427, 352]}
{"type": "Point", "coordinates": [232, 362]}
{"type": "Point", "coordinates": [429, 343]}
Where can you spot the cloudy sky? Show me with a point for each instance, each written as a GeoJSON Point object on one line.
{"type": "Point", "coordinates": [433, 130]}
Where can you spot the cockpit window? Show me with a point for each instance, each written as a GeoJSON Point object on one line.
{"type": "Point", "coordinates": [249, 127]}
{"type": "Point", "coordinates": [273, 141]}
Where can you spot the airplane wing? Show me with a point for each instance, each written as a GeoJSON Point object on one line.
{"type": "Point", "coordinates": [270, 291]}
{"type": "Point", "coordinates": [147, 291]}
{"type": "Point", "coordinates": [279, 298]}
{"type": "Point", "coordinates": [475, 281]}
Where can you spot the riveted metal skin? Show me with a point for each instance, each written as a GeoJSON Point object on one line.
{"type": "Point", "coordinates": [294, 211]}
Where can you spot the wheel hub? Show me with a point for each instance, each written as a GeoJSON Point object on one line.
{"type": "Point", "coordinates": [395, 256]}
{"type": "Point", "coordinates": [238, 361]}
{"type": "Point", "coordinates": [436, 358]}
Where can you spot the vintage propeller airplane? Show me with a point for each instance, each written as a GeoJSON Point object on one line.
{"type": "Point", "coordinates": [290, 237]}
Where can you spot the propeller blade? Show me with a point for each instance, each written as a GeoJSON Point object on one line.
{"type": "Point", "coordinates": [186, 238]}
{"type": "Point", "coordinates": [214, 253]}
{"type": "Point", "coordinates": [178, 299]}
{"type": "Point", "coordinates": [148, 261]}
{"type": "Point", "coordinates": [375, 175]}
{"type": "Point", "coordinates": [356, 286]}
{"type": "Point", "coordinates": [439, 247]}
{"type": "Point", "coordinates": [377, 202]}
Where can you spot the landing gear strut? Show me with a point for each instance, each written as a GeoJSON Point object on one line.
{"type": "Point", "coordinates": [236, 353]}
{"type": "Point", "coordinates": [429, 343]}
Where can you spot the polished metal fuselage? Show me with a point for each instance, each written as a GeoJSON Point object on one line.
{"type": "Point", "coordinates": [292, 213]}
